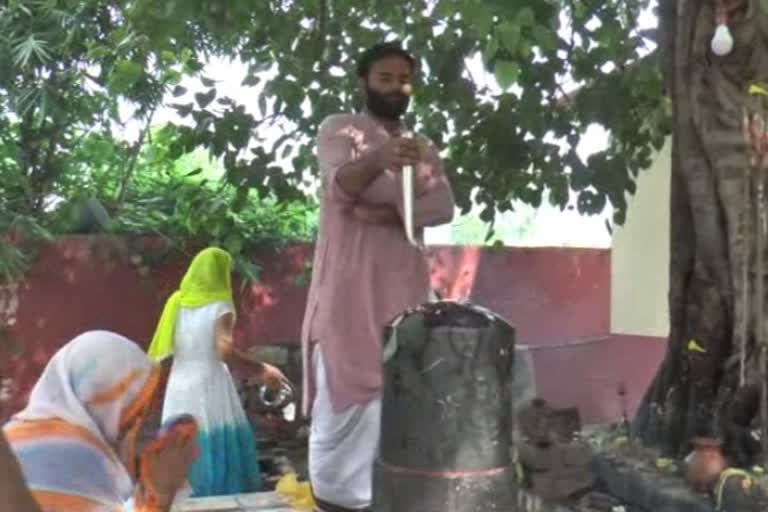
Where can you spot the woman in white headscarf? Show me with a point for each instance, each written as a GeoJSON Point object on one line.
{"type": "Point", "coordinates": [76, 439]}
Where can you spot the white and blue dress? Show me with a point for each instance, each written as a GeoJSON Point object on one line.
{"type": "Point", "coordinates": [200, 384]}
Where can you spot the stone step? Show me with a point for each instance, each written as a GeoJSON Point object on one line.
{"type": "Point", "coordinates": [647, 489]}
{"type": "Point", "coordinates": [254, 502]}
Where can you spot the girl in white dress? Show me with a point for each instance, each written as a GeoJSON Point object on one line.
{"type": "Point", "coordinates": [196, 328]}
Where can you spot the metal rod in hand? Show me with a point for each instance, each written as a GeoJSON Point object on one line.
{"type": "Point", "coordinates": [408, 201]}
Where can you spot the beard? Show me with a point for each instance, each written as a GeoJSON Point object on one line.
{"type": "Point", "coordinates": [388, 106]}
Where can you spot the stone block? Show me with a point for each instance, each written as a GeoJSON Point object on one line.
{"type": "Point", "coordinates": [557, 472]}
{"type": "Point", "coordinates": [524, 377]}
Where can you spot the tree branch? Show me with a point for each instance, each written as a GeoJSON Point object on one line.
{"type": "Point", "coordinates": [566, 98]}
{"type": "Point", "coordinates": [135, 150]}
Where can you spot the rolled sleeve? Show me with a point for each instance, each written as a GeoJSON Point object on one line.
{"type": "Point", "coordinates": [435, 207]}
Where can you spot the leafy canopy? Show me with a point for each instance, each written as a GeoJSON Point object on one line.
{"type": "Point", "coordinates": [68, 69]}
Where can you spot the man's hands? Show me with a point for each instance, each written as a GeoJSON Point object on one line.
{"type": "Point", "coordinates": [392, 156]}
{"type": "Point", "coordinates": [397, 153]}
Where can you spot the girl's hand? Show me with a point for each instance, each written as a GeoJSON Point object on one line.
{"type": "Point", "coordinates": [270, 376]}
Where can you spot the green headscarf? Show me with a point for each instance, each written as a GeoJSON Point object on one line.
{"type": "Point", "coordinates": [208, 280]}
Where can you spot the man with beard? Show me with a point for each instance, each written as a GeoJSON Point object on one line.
{"type": "Point", "coordinates": [365, 271]}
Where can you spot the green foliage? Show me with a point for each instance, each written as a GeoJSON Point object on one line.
{"type": "Point", "coordinates": [511, 144]}
{"type": "Point", "coordinates": [181, 199]}
{"type": "Point", "coordinates": [69, 68]}
{"type": "Point", "coordinates": [16, 251]}
{"type": "Point", "coordinates": [509, 228]}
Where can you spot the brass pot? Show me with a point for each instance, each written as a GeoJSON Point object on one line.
{"type": "Point", "coordinates": [706, 463]}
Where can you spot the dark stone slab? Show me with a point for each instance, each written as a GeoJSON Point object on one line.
{"type": "Point", "coordinates": [645, 488]}
{"type": "Point", "coordinates": [558, 472]}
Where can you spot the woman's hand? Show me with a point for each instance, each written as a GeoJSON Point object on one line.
{"type": "Point", "coordinates": [166, 468]}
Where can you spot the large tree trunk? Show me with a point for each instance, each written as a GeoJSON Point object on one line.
{"type": "Point", "coordinates": [692, 389]}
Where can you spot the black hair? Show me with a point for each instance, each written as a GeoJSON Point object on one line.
{"type": "Point", "coordinates": [381, 51]}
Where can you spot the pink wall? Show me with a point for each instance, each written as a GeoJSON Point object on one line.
{"type": "Point", "coordinates": [588, 374]}
{"type": "Point", "coordinates": [552, 295]}
{"type": "Point", "coordinates": [549, 294]}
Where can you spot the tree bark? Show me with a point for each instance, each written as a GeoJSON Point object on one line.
{"type": "Point", "coordinates": [693, 387]}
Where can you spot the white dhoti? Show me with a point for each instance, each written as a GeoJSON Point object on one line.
{"type": "Point", "coordinates": [342, 446]}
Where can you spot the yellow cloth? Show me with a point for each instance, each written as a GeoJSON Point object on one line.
{"type": "Point", "coordinates": [208, 280]}
{"type": "Point", "coordinates": [298, 494]}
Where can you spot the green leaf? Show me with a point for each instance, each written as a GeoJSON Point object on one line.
{"type": "Point", "coordinates": [125, 75]}
{"type": "Point", "coordinates": [525, 51]}
{"type": "Point", "coordinates": [491, 48]}
{"type": "Point", "coordinates": [263, 104]}
{"type": "Point", "coordinates": [481, 19]}
{"type": "Point", "coordinates": [506, 73]}
{"type": "Point", "coordinates": [251, 80]}
{"type": "Point", "coordinates": [489, 234]}
{"type": "Point", "coordinates": [233, 243]}
{"type": "Point", "coordinates": [620, 217]}
{"type": "Point", "coordinates": [526, 17]}
{"type": "Point", "coordinates": [179, 91]}
{"type": "Point", "coordinates": [183, 110]}
{"type": "Point", "coordinates": [260, 67]}
{"type": "Point", "coordinates": [509, 34]}
{"type": "Point", "coordinates": [30, 47]}
{"type": "Point", "coordinates": [205, 99]}
{"type": "Point", "coordinates": [545, 38]}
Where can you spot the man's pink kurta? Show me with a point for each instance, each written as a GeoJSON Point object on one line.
{"type": "Point", "coordinates": [364, 274]}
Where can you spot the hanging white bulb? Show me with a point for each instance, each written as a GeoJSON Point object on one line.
{"type": "Point", "coordinates": [722, 41]}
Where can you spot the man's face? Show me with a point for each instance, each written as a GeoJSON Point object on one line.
{"type": "Point", "coordinates": [387, 87]}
